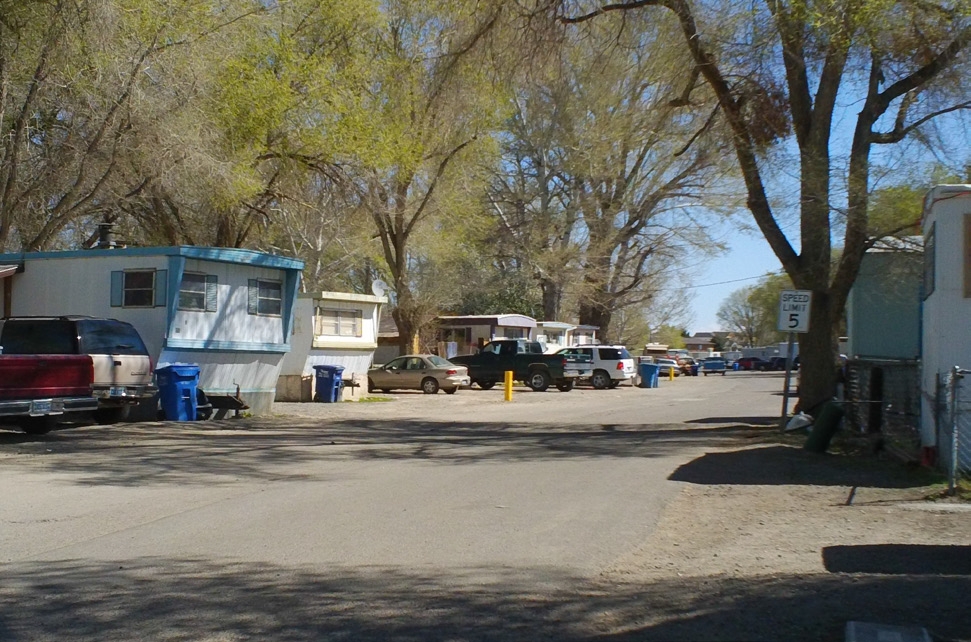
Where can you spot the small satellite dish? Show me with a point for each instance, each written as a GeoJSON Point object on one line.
{"type": "Point", "coordinates": [379, 287]}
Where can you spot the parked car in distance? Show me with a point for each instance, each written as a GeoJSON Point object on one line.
{"type": "Point", "coordinates": [713, 365]}
{"type": "Point", "coordinates": [667, 365]}
{"type": "Point", "coordinates": [612, 365]}
{"type": "Point", "coordinates": [752, 363]}
{"type": "Point", "coordinates": [778, 363]}
{"type": "Point", "coordinates": [122, 366]}
{"type": "Point", "coordinates": [688, 366]}
{"type": "Point", "coordinates": [528, 363]}
{"type": "Point", "coordinates": [425, 372]}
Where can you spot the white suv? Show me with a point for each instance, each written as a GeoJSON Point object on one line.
{"type": "Point", "coordinates": [612, 365]}
{"type": "Point", "coordinates": [122, 365]}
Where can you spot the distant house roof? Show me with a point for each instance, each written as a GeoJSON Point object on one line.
{"type": "Point", "coordinates": [387, 328]}
{"type": "Point", "coordinates": [501, 320]}
{"type": "Point", "coordinates": [555, 325]}
{"type": "Point", "coordinates": [587, 327]}
{"type": "Point", "coordinates": [345, 296]}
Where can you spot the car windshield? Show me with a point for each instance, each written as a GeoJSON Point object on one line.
{"type": "Point", "coordinates": [39, 336]}
{"type": "Point", "coordinates": [110, 336]}
{"type": "Point", "coordinates": [438, 362]}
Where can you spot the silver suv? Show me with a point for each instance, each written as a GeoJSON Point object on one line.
{"type": "Point", "coordinates": [612, 365]}
{"type": "Point", "coordinates": [122, 365]}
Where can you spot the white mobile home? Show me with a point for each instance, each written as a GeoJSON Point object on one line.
{"type": "Point", "coordinates": [330, 328]}
{"type": "Point", "coordinates": [230, 311]}
{"type": "Point", "coordinates": [469, 333]}
{"type": "Point", "coordinates": [945, 340]}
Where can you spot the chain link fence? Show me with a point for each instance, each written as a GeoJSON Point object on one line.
{"type": "Point", "coordinates": [954, 424]}
{"type": "Point", "coordinates": [883, 396]}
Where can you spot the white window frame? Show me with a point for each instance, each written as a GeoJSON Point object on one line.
{"type": "Point", "coordinates": [209, 292]}
{"type": "Point", "coordinates": [333, 322]}
{"type": "Point", "coordinates": [257, 301]}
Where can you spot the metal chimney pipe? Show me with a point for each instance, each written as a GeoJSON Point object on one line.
{"type": "Point", "coordinates": [106, 237]}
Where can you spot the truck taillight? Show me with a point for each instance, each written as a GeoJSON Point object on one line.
{"type": "Point", "coordinates": [620, 365]}
{"type": "Point", "coordinates": [451, 373]}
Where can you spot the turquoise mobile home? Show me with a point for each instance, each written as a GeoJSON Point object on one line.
{"type": "Point", "coordinates": [228, 310]}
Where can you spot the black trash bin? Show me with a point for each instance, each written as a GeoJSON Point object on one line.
{"type": "Point", "coordinates": [328, 382]}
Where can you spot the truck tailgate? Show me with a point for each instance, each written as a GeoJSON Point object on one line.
{"type": "Point", "coordinates": [32, 376]}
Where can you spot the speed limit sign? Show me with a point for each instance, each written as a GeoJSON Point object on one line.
{"type": "Point", "coordinates": [794, 310]}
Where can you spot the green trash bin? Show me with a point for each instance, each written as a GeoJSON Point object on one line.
{"type": "Point", "coordinates": [824, 427]}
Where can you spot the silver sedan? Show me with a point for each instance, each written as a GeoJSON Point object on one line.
{"type": "Point", "coordinates": [425, 372]}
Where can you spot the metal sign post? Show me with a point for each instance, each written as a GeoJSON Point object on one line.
{"type": "Point", "coordinates": [794, 307]}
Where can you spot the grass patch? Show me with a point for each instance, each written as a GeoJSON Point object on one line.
{"type": "Point", "coordinates": [962, 491]}
{"type": "Point", "coordinates": [370, 399]}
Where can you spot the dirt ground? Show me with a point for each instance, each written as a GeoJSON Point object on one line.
{"type": "Point", "coordinates": [795, 544]}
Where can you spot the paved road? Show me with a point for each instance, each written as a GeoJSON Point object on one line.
{"type": "Point", "coordinates": [446, 517]}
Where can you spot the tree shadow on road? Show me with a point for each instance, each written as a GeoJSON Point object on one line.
{"type": "Point", "coordinates": [192, 599]}
{"type": "Point", "coordinates": [218, 452]}
{"type": "Point", "coordinates": [787, 465]}
{"type": "Point", "coordinates": [898, 559]}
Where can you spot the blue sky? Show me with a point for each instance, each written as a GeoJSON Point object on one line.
{"type": "Point", "coordinates": [747, 260]}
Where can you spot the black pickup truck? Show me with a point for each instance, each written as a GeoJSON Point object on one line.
{"type": "Point", "coordinates": [527, 362]}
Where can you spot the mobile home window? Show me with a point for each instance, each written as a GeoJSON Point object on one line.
{"type": "Point", "coordinates": [139, 289]}
{"type": "Point", "coordinates": [198, 292]}
{"type": "Point", "coordinates": [265, 297]}
{"type": "Point", "coordinates": [339, 323]}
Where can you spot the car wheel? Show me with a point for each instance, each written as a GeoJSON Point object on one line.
{"type": "Point", "coordinates": [486, 385]}
{"type": "Point", "coordinates": [600, 379]}
{"type": "Point", "coordinates": [113, 415]}
{"type": "Point", "coordinates": [566, 386]}
{"type": "Point", "coordinates": [370, 385]}
{"type": "Point", "coordinates": [429, 386]}
{"type": "Point", "coordinates": [451, 391]}
{"type": "Point", "coordinates": [538, 380]}
{"type": "Point", "coordinates": [38, 425]}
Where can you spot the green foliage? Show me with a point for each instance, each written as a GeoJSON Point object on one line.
{"type": "Point", "coordinates": [509, 292]}
{"type": "Point", "coordinates": [750, 314]}
{"type": "Point", "coordinates": [671, 336]}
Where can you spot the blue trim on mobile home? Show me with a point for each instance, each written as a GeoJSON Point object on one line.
{"type": "Point", "coordinates": [220, 254]}
{"type": "Point", "coordinates": [209, 345]}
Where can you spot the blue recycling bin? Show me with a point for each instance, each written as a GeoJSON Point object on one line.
{"type": "Point", "coordinates": [649, 375]}
{"type": "Point", "coordinates": [328, 380]}
{"type": "Point", "coordinates": [178, 384]}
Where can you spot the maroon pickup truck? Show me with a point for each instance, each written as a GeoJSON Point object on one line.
{"type": "Point", "coordinates": [36, 389]}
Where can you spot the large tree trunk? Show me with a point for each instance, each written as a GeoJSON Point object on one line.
{"type": "Point", "coordinates": [408, 317]}
{"type": "Point", "coordinates": [597, 314]}
{"type": "Point", "coordinates": [552, 296]}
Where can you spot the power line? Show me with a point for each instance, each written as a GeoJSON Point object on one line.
{"type": "Point", "coordinates": [748, 278]}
